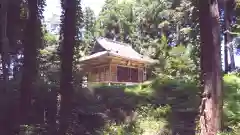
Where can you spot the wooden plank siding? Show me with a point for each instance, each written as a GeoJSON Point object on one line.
{"type": "Point", "coordinates": [113, 73]}
{"type": "Point", "coordinates": [99, 74]}
{"type": "Point", "coordinates": [108, 71]}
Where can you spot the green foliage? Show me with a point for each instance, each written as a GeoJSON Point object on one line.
{"type": "Point", "coordinates": [32, 130]}
{"type": "Point", "coordinates": [150, 27]}
{"type": "Point", "coordinates": [49, 39]}
{"type": "Point", "coordinates": [138, 22]}
{"type": "Point", "coordinates": [174, 89]}
{"type": "Point", "coordinates": [156, 104]}
{"type": "Point", "coordinates": [89, 22]}
{"type": "Point", "coordinates": [232, 101]}
{"type": "Point", "coordinates": [150, 120]}
{"type": "Point", "coordinates": [175, 61]}
{"type": "Point", "coordinates": [229, 133]}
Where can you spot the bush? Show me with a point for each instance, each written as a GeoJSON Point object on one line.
{"type": "Point", "coordinates": [231, 106]}
{"type": "Point", "coordinates": [149, 121]}
{"type": "Point", "coordinates": [162, 106]}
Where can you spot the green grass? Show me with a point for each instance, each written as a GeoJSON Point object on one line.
{"type": "Point", "coordinates": [150, 100]}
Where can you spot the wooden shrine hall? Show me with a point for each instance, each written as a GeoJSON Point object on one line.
{"type": "Point", "coordinates": [115, 62]}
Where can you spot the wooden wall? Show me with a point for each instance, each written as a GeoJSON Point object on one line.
{"type": "Point", "coordinates": [140, 75]}
{"type": "Point", "coordinates": [99, 74]}
{"type": "Point", "coordinates": [108, 73]}
{"type": "Point", "coordinates": [113, 70]}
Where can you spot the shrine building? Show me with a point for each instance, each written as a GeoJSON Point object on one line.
{"type": "Point", "coordinates": [115, 62]}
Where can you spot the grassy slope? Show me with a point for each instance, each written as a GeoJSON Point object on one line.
{"type": "Point", "coordinates": [180, 95]}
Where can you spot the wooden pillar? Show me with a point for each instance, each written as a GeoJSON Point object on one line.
{"type": "Point", "coordinates": [97, 75]}
{"type": "Point", "coordinates": [140, 74]}
{"type": "Point", "coordinates": [89, 75]}
{"type": "Point", "coordinates": [110, 73]}
{"type": "Point", "coordinates": [113, 72]}
{"type": "Point", "coordinates": [144, 74]}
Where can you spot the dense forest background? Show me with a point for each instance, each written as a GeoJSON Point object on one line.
{"type": "Point", "coordinates": [41, 78]}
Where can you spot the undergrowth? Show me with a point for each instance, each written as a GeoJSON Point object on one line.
{"type": "Point", "coordinates": [181, 95]}
{"type": "Point", "coordinates": [164, 106]}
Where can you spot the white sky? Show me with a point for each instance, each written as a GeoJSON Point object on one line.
{"type": "Point", "coordinates": [53, 6]}
{"type": "Point", "coordinates": [237, 61]}
{"type": "Point", "coordinates": [95, 5]}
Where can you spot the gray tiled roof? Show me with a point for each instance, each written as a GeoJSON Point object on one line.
{"type": "Point", "coordinates": [118, 49]}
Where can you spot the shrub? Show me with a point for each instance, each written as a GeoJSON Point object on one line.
{"type": "Point", "coordinates": [231, 106]}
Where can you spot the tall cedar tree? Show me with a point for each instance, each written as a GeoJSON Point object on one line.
{"type": "Point", "coordinates": [67, 51]}
{"type": "Point", "coordinates": [3, 52]}
{"type": "Point", "coordinates": [211, 107]}
{"type": "Point", "coordinates": [227, 36]}
{"type": "Point", "coordinates": [230, 8]}
{"type": "Point", "coordinates": [228, 17]}
{"type": "Point", "coordinates": [4, 46]}
{"type": "Point", "coordinates": [29, 74]}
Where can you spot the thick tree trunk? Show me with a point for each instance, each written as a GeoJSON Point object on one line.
{"type": "Point", "coordinates": [51, 111]}
{"type": "Point", "coordinates": [29, 63]}
{"type": "Point", "coordinates": [211, 107]}
{"type": "Point", "coordinates": [67, 50]}
{"type": "Point", "coordinates": [4, 124]}
{"type": "Point", "coordinates": [4, 43]}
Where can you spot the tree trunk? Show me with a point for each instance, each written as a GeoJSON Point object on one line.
{"type": "Point", "coordinates": [67, 51]}
{"type": "Point", "coordinates": [29, 63]}
{"type": "Point", "coordinates": [4, 43]}
{"type": "Point", "coordinates": [226, 41]}
{"type": "Point", "coordinates": [232, 57]}
{"type": "Point", "coordinates": [178, 42]}
{"type": "Point", "coordinates": [51, 111]}
{"type": "Point", "coordinates": [228, 14]}
{"type": "Point", "coordinates": [211, 106]}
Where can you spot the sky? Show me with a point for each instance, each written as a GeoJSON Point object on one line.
{"type": "Point", "coordinates": [53, 7]}
{"type": "Point", "coordinates": [237, 60]}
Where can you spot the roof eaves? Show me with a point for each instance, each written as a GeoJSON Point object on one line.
{"type": "Point", "coordinates": [95, 55]}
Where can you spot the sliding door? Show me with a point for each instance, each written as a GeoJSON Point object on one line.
{"type": "Point", "coordinates": [126, 74]}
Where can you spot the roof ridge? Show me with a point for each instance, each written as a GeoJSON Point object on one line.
{"type": "Point", "coordinates": [114, 41]}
